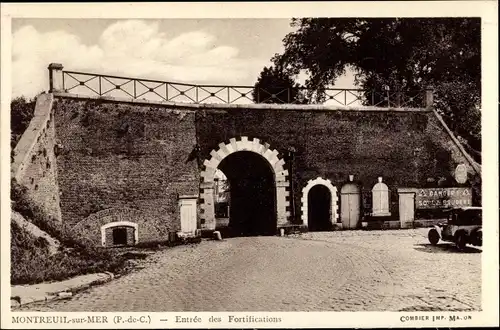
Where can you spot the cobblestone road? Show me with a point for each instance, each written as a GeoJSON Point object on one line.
{"type": "Point", "coordinates": [328, 271]}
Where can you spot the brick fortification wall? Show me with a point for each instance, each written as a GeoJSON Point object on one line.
{"type": "Point", "coordinates": [34, 164]}
{"type": "Point", "coordinates": [126, 161]}
{"type": "Point", "coordinates": [400, 146]}
{"type": "Point", "coordinates": [118, 156]}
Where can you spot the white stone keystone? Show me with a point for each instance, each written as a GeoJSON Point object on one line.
{"type": "Point", "coordinates": [230, 148]}
{"type": "Point", "coordinates": [255, 145]}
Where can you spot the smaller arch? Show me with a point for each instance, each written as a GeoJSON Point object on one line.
{"type": "Point", "coordinates": [334, 199]}
{"type": "Point", "coordinates": [119, 224]}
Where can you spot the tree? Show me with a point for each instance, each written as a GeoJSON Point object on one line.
{"type": "Point", "coordinates": [274, 86]}
{"type": "Point", "coordinates": [21, 113]}
{"type": "Point", "coordinates": [395, 56]}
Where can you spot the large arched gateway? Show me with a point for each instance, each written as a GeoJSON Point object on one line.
{"type": "Point", "coordinates": [259, 187]}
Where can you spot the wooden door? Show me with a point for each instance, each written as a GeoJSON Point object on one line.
{"type": "Point", "coordinates": [350, 204]}
{"type": "Point", "coordinates": [407, 209]}
{"type": "Point", "coordinates": [188, 215]}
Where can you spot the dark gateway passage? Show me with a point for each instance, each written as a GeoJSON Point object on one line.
{"type": "Point", "coordinates": [319, 200]}
{"type": "Point", "coordinates": [252, 190]}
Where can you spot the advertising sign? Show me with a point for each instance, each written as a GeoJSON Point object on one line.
{"type": "Point", "coordinates": [441, 198]}
{"type": "Point", "coordinates": [461, 173]}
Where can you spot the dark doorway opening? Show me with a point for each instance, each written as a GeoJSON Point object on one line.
{"type": "Point", "coordinates": [319, 202]}
{"type": "Point", "coordinates": [120, 236]}
{"type": "Point", "coordinates": [252, 209]}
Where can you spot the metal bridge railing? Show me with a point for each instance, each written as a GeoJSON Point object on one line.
{"type": "Point", "coordinates": [154, 90]}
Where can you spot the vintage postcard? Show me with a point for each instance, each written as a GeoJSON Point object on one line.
{"type": "Point", "coordinates": [249, 165]}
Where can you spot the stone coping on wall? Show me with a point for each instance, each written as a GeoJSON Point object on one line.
{"type": "Point", "coordinates": [475, 166]}
{"type": "Point", "coordinates": [30, 137]}
{"type": "Point", "coordinates": [215, 106]}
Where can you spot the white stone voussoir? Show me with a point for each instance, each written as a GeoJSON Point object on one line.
{"type": "Point", "coordinates": [212, 163]}
{"type": "Point", "coordinates": [282, 172]}
{"type": "Point", "coordinates": [279, 165]}
{"type": "Point", "coordinates": [215, 155]}
{"type": "Point", "coordinates": [255, 145]}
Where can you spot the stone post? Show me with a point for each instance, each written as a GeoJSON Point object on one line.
{"type": "Point", "coordinates": [55, 77]}
{"type": "Point", "coordinates": [208, 206]}
{"type": "Point", "coordinates": [291, 158]}
{"type": "Point", "coordinates": [429, 97]}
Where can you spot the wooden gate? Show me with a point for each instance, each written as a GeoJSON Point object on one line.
{"type": "Point", "coordinates": [350, 204]}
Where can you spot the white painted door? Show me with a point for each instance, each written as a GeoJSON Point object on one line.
{"type": "Point", "coordinates": [407, 210]}
{"type": "Point", "coordinates": [354, 203]}
{"type": "Point", "coordinates": [188, 215]}
{"type": "Point", "coordinates": [350, 206]}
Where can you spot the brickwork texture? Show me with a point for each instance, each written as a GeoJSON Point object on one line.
{"type": "Point", "coordinates": [118, 156]}
{"type": "Point", "coordinates": [406, 148]}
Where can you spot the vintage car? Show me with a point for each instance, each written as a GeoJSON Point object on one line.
{"type": "Point", "coordinates": [464, 226]}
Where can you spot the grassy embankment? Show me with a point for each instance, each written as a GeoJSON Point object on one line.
{"type": "Point", "coordinates": [30, 259]}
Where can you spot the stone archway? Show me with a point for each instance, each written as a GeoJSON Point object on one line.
{"type": "Point", "coordinates": [277, 164]}
{"type": "Point", "coordinates": [334, 199]}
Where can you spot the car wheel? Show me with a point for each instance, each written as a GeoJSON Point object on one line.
{"type": "Point", "coordinates": [433, 236]}
{"type": "Point", "coordinates": [479, 238]}
{"type": "Point", "coordinates": [461, 241]}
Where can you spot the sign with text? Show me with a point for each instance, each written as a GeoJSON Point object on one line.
{"type": "Point", "coordinates": [441, 198]}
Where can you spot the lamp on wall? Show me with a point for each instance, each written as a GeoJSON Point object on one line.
{"type": "Point", "coordinates": [194, 155]}
{"type": "Point", "coordinates": [291, 153]}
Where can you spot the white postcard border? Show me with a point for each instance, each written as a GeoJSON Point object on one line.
{"type": "Point", "coordinates": [487, 10]}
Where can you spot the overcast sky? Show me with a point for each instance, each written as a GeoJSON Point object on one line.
{"type": "Point", "coordinates": [210, 51]}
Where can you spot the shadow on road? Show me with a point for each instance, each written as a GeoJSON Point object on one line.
{"type": "Point", "coordinates": [445, 248]}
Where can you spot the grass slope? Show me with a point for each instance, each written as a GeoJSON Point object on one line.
{"type": "Point", "coordinates": [30, 260]}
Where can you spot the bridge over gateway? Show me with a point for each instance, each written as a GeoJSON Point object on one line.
{"type": "Point", "coordinates": [127, 160]}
